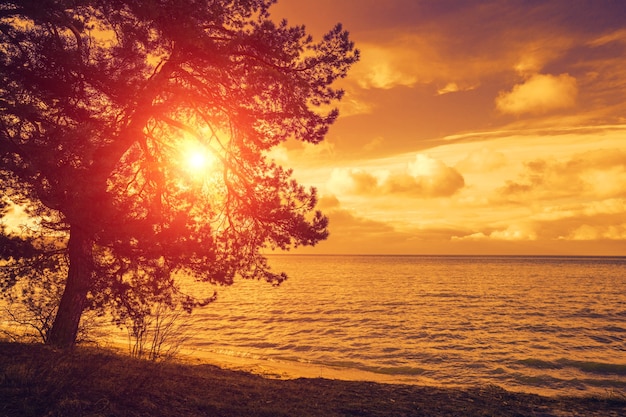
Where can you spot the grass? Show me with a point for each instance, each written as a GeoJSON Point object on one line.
{"type": "Point", "coordinates": [38, 381]}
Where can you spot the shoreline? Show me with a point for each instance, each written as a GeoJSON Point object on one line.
{"type": "Point", "coordinates": [283, 369]}
{"type": "Point", "coordinates": [286, 370]}
{"type": "Point", "coordinates": [36, 380]}
{"type": "Point", "coordinates": [289, 370]}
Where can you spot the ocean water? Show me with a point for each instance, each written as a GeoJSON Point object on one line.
{"type": "Point", "coordinates": [548, 325]}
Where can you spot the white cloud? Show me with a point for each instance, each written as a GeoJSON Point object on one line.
{"type": "Point", "coordinates": [424, 177]}
{"type": "Point", "coordinates": [517, 232]}
{"type": "Point", "coordinates": [473, 236]}
{"type": "Point", "coordinates": [353, 181]}
{"type": "Point", "coordinates": [482, 160]}
{"type": "Point", "coordinates": [449, 88]}
{"type": "Point", "coordinates": [514, 233]}
{"type": "Point", "coordinates": [454, 87]}
{"type": "Point", "coordinates": [385, 67]}
{"type": "Point", "coordinates": [541, 93]}
{"type": "Point", "coordinates": [610, 206]}
{"type": "Point", "coordinates": [588, 232]}
{"type": "Point", "coordinates": [411, 59]}
{"type": "Point", "coordinates": [599, 173]}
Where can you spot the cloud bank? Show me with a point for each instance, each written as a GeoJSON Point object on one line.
{"type": "Point", "coordinates": [541, 93]}
{"type": "Point", "coordinates": [424, 177]}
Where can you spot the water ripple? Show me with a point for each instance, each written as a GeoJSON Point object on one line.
{"type": "Point", "coordinates": [546, 325]}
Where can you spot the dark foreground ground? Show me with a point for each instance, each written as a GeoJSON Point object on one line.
{"type": "Point", "coordinates": [38, 381]}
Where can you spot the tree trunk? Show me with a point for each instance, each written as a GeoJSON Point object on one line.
{"type": "Point", "coordinates": [65, 327]}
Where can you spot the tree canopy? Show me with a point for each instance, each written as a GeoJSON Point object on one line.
{"type": "Point", "coordinates": [102, 105]}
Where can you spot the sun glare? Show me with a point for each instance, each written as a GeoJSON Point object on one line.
{"type": "Point", "coordinates": [197, 159]}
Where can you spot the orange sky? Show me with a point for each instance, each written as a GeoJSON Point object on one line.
{"type": "Point", "coordinates": [473, 127]}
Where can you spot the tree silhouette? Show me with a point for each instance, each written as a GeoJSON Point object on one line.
{"type": "Point", "coordinates": [100, 101]}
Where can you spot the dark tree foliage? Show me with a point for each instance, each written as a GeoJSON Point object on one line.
{"type": "Point", "coordinates": [98, 101]}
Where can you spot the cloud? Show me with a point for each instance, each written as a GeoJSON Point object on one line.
{"type": "Point", "coordinates": [581, 212]}
{"type": "Point", "coordinates": [482, 160]}
{"type": "Point", "coordinates": [597, 173]}
{"type": "Point", "coordinates": [328, 202]}
{"type": "Point", "coordinates": [516, 232]}
{"type": "Point", "coordinates": [386, 67]}
{"type": "Point", "coordinates": [454, 87]}
{"type": "Point", "coordinates": [541, 93]}
{"type": "Point", "coordinates": [534, 54]}
{"type": "Point", "coordinates": [351, 105]}
{"type": "Point", "coordinates": [353, 233]}
{"type": "Point", "coordinates": [445, 48]}
{"type": "Point", "coordinates": [589, 232]}
{"type": "Point", "coordinates": [353, 181]}
{"type": "Point", "coordinates": [374, 144]}
{"type": "Point", "coordinates": [424, 177]}
{"type": "Point", "coordinates": [594, 219]}
{"type": "Point", "coordinates": [279, 154]}
{"type": "Point", "coordinates": [449, 88]}
{"type": "Point", "coordinates": [411, 58]}
{"type": "Point", "coordinates": [591, 221]}
{"type": "Point", "coordinates": [612, 206]}
{"type": "Point", "coordinates": [615, 36]}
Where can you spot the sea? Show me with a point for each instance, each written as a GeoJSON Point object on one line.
{"type": "Point", "coordinates": [546, 325]}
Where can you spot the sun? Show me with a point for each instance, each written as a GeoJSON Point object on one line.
{"type": "Point", "coordinates": [196, 161]}
{"type": "Point", "coordinates": [196, 158]}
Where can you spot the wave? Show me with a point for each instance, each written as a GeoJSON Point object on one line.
{"type": "Point", "coordinates": [448, 320]}
{"type": "Point", "coordinates": [395, 370]}
{"type": "Point", "coordinates": [602, 368]}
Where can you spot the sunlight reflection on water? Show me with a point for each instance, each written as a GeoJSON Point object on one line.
{"type": "Point", "coordinates": [535, 324]}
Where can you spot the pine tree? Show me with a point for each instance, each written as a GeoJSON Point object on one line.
{"type": "Point", "coordinates": [101, 102]}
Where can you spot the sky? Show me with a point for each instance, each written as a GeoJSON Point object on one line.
{"type": "Point", "coordinates": [472, 127]}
